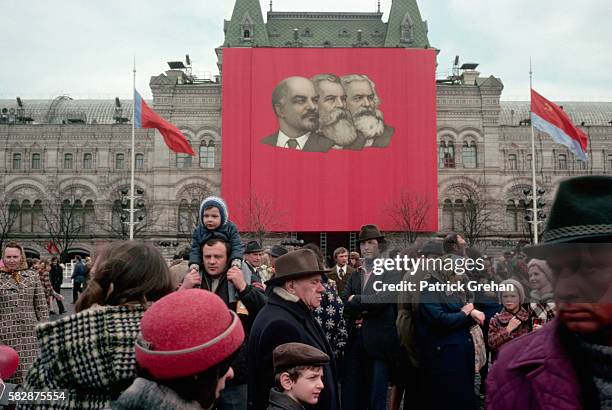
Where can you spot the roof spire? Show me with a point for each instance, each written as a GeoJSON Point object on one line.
{"type": "Point", "coordinates": [379, 6]}
{"type": "Point", "coordinates": [270, 6]}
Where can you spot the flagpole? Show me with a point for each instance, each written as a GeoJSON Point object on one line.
{"type": "Point", "coordinates": [534, 188]}
{"type": "Point", "coordinates": [133, 155]}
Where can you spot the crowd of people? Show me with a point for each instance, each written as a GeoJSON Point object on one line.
{"type": "Point", "coordinates": [233, 325]}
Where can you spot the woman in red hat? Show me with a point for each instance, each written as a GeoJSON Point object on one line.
{"type": "Point", "coordinates": [183, 352]}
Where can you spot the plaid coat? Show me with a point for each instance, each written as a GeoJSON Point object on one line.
{"type": "Point", "coordinates": [90, 354]}
{"type": "Point", "coordinates": [22, 305]}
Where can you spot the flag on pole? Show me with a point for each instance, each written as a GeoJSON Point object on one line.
{"type": "Point", "coordinates": [145, 117]}
{"type": "Point", "coordinates": [552, 120]}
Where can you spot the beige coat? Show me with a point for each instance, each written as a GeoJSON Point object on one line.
{"type": "Point", "coordinates": [22, 306]}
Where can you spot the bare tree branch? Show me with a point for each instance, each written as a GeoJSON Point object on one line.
{"type": "Point", "coordinates": [63, 214]}
{"type": "Point", "coordinates": [262, 216]}
{"type": "Point", "coordinates": [409, 213]}
{"type": "Point", "coordinates": [8, 220]}
{"type": "Point", "coordinates": [477, 217]}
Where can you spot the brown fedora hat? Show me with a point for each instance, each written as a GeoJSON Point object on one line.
{"type": "Point", "coordinates": [368, 232]}
{"type": "Point", "coordinates": [295, 264]}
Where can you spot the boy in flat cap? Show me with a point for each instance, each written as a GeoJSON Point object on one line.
{"type": "Point", "coordinates": [298, 373]}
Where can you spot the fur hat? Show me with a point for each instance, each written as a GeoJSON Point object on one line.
{"type": "Point", "coordinates": [186, 333]}
{"type": "Point", "coordinates": [517, 287]}
{"type": "Point", "coordinates": [217, 203]}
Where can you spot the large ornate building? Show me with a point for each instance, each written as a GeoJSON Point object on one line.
{"type": "Point", "coordinates": [64, 163]}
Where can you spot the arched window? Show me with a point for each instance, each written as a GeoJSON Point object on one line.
{"type": "Point", "coordinates": [511, 216]}
{"type": "Point", "coordinates": [183, 161]}
{"type": "Point", "coordinates": [512, 162]}
{"type": "Point", "coordinates": [446, 155]}
{"type": "Point", "coordinates": [406, 27]}
{"type": "Point", "coordinates": [68, 161]}
{"type": "Point", "coordinates": [119, 161]}
{"type": "Point", "coordinates": [16, 161]}
{"type": "Point", "coordinates": [184, 215]}
{"type": "Point", "coordinates": [246, 28]}
{"type": "Point", "coordinates": [207, 154]}
{"type": "Point", "coordinates": [447, 215]}
{"type": "Point", "coordinates": [37, 216]}
{"type": "Point", "coordinates": [89, 215]}
{"type": "Point", "coordinates": [26, 216]}
{"type": "Point", "coordinates": [118, 217]}
{"type": "Point", "coordinates": [77, 216]}
{"type": "Point", "coordinates": [87, 161]}
{"type": "Point", "coordinates": [458, 215]}
{"type": "Point", "coordinates": [528, 159]}
{"type": "Point", "coordinates": [562, 161]}
{"type": "Point", "coordinates": [14, 211]}
{"type": "Point", "coordinates": [36, 161]}
{"type": "Point", "coordinates": [139, 161]}
{"type": "Point", "coordinates": [469, 155]}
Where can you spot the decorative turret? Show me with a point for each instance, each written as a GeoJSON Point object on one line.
{"type": "Point", "coordinates": [405, 27]}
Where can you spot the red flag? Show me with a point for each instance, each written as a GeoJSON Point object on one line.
{"type": "Point", "coordinates": [52, 247]}
{"type": "Point", "coordinates": [549, 118]}
{"type": "Point", "coordinates": [145, 117]}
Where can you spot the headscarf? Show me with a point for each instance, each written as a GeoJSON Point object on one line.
{"type": "Point", "coordinates": [22, 266]}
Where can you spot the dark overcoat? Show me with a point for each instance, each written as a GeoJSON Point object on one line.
{"type": "Point", "coordinates": [283, 321]}
{"type": "Point", "coordinates": [447, 350]}
{"type": "Point", "coordinates": [378, 330]}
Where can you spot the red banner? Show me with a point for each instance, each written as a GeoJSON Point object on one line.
{"type": "Point", "coordinates": [328, 139]}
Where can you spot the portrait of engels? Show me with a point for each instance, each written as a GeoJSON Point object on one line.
{"type": "Point", "coordinates": [328, 112]}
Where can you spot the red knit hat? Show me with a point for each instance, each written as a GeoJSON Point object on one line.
{"type": "Point", "coordinates": [185, 333]}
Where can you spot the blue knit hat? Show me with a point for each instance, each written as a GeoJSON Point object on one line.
{"type": "Point", "coordinates": [217, 203]}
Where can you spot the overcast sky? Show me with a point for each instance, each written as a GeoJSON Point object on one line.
{"type": "Point", "coordinates": [85, 48]}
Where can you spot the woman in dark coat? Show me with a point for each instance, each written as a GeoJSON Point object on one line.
{"type": "Point", "coordinates": [446, 346]}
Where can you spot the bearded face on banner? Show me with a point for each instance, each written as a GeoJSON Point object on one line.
{"type": "Point", "coordinates": [363, 102]}
{"type": "Point", "coordinates": [369, 122]}
{"type": "Point", "coordinates": [335, 122]}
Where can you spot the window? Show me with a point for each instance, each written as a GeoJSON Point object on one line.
{"type": "Point", "coordinates": [562, 160]}
{"type": "Point", "coordinates": [119, 161]}
{"type": "Point", "coordinates": [446, 154]}
{"type": "Point", "coordinates": [512, 163]}
{"type": "Point", "coordinates": [16, 161]}
{"type": "Point", "coordinates": [139, 161]}
{"type": "Point", "coordinates": [37, 216]}
{"type": "Point", "coordinates": [246, 34]}
{"type": "Point", "coordinates": [609, 164]}
{"type": "Point", "coordinates": [26, 216]}
{"type": "Point", "coordinates": [207, 154]}
{"type": "Point", "coordinates": [528, 160]}
{"type": "Point", "coordinates": [469, 154]}
{"type": "Point", "coordinates": [36, 161]}
{"type": "Point", "coordinates": [581, 165]}
{"type": "Point", "coordinates": [87, 161]}
{"type": "Point", "coordinates": [67, 161]}
{"type": "Point", "coordinates": [183, 161]}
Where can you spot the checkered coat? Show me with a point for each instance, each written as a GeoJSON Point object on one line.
{"type": "Point", "coordinates": [90, 354]}
{"type": "Point", "coordinates": [22, 305]}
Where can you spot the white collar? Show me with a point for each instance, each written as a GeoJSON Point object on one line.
{"type": "Point", "coordinates": [282, 139]}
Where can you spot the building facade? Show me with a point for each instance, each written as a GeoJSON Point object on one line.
{"type": "Point", "coordinates": [64, 164]}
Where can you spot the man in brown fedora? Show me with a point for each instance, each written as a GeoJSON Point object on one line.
{"type": "Point", "coordinates": [373, 343]}
{"type": "Point", "coordinates": [296, 291]}
{"type": "Point", "coordinates": [567, 364]}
